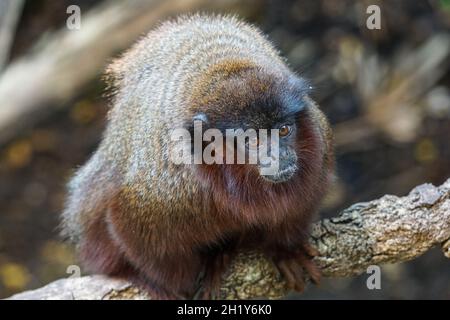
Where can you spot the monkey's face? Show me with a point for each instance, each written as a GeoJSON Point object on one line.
{"type": "Point", "coordinates": [277, 127]}
{"type": "Point", "coordinates": [272, 107]}
{"type": "Point", "coordinates": [280, 165]}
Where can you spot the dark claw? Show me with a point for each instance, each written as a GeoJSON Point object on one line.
{"type": "Point", "coordinates": [295, 266]}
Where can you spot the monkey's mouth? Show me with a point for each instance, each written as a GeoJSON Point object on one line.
{"type": "Point", "coordinates": [281, 175]}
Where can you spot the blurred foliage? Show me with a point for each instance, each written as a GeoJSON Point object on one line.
{"type": "Point", "coordinates": [393, 132]}
{"type": "Point", "coordinates": [14, 276]}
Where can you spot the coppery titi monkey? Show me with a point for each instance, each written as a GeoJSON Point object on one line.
{"type": "Point", "coordinates": [133, 213]}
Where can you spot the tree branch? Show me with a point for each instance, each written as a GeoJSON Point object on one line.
{"type": "Point", "coordinates": [388, 230]}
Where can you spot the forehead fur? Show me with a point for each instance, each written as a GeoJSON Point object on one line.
{"type": "Point", "coordinates": [239, 91]}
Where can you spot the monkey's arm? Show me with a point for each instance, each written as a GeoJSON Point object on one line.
{"type": "Point", "coordinates": [388, 230]}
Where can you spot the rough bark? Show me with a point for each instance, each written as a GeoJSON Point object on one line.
{"type": "Point", "coordinates": [388, 230]}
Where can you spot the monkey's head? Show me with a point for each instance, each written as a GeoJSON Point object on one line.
{"type": "Point", "coordinates": [247, 100]}
{"type": "Point", "coordinates": [240, 95]}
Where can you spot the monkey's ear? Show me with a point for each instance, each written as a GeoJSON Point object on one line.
{"type": "Point", "coordinates": [300, 86]}
{"type": "Point", "coordinates": [200, 116]}
{"type": "Point", "coordinates": [293, 99]}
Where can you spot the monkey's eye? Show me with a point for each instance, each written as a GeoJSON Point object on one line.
{"type": "Point", "coordinates": [285, 130]}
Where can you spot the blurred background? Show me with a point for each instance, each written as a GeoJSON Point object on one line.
{"type": "Point", "coordinates": [385, 91]}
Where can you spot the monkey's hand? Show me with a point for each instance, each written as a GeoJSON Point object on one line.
{"type": "Point", "coordinates": [293, 264]}
{"type": "Point", "coordinates": [215, 267]}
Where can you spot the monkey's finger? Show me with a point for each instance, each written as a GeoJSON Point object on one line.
{"type": "Point", "coordinates": [286, 272]}
{"type": "Point", "coordinates": [297, 270]}
{"type": "Point", "coordinates": [311, 268]}
{"type": "Point", "coordinates": [310, 250]}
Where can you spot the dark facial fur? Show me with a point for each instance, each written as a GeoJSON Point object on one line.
{"type": "Point", "coordinates": [242, 96]}
{"type": "Point", "coordinates": [133, 213]}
